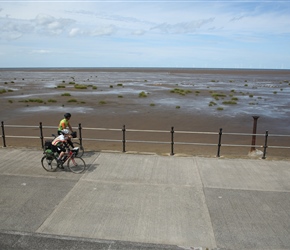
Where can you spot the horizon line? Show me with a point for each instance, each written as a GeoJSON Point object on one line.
{"type": "Point", "coordinates": [148, 67]}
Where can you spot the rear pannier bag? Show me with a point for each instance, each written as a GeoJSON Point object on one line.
{"type": "Point", "coordinates": [49, 154]}
{"type": "Point", "coordinates": [47, 144]}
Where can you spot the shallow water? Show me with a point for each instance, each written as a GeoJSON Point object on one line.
{"type": "Point", "coordinates": [257, 94]}
{"type": "Point", "coordinates": [56, 109]}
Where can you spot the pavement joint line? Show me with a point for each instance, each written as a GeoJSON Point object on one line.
{"type": "Point", "coordinates": [56, 207]}
{"type": "Point", "coordinates": [41, 176]}
{"type": "Point", "coordinates": [246, 189]}
{"type": "Point", "coordinates": [137, 183]}
{"type": "Point", "coordinates": [64, 200]}
{"type": "Point", "coordinates": [56, 236]}
{"type": "Point", "coordinates": [198, 169]}
{"type": "Point", "coordinates": [205, 201]}
{"type": "Point", "coordinates": [97, 156]}
{"type": "Point", "coordinates": [111, 243]}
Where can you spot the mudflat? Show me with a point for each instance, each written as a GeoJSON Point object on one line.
{"type": "Point", "coordinates": [189, 100]}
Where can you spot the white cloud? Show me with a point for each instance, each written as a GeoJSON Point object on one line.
{"type": "Point", "coordinates": [43, 20]}
{"type": "Point", "coordinates": [103, 31]}
{"type": "Point", "coordinates": [99, 30]}
{"type": "Point", "coordinates": [75, 32]}
{"type": "Point", "coordinates": [151, 27]}
{"type": "Point", "coordinates": [184, 27]}
{"type": "Point", "coordinates": [11, 29]}
{"type": "Point", "coordinates": [41, 51]}
{"type": "Point", "coordinates": [138, 32]}
{"type": "Point", "coordinates": [51, 25]}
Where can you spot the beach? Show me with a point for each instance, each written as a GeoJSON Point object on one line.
{"type": "Point", "coordinates": [196, 100]}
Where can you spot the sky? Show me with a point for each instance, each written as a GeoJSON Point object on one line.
{"type": "Point", "coordinates": [148, 33]}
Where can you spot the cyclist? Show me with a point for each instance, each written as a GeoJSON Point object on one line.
{"type": "Point", "coordinates": [64, 124]}
{"type": "Point", "coordinates": [59, 144]}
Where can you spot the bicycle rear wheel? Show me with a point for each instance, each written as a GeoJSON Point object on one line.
{"type": "Point", "coordinates": [49, 164]}
{"type": "Point", "coordinates": [81, 149]}
{"type": "Point", "coordinates": [76, 165]}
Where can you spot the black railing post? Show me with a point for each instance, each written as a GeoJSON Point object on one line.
{"type": "Point", "coordinates": [3, 134]}
{"type": "Point", "coordinates": [220, 142]}
{"type": "Point", "coordinates": [41, 135]}
{"type": "Point", "coordinates": [124, 139]}
{"type": "Point", "coordinates": [80, 134]}
{"type": "Point", "coordinates": [265, 145]}
{"type": "Point", "coordinates": [172, 141]}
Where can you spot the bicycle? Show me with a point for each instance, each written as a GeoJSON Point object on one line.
{"type": "Point", "coordinates": [74, 163]}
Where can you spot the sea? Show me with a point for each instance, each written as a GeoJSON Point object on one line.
{"type": "Point", "coordinates": [221, 92]}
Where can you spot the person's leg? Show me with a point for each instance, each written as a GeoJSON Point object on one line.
{"type": "Point", "coordinates": [59, 150]}
{"type": "Point", "coordinates": [56, 149]}
{"type": "Point", "coordinates": [60, 155]}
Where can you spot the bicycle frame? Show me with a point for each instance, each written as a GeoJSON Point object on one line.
{"type": "Point", "coordinates": [70, 155]}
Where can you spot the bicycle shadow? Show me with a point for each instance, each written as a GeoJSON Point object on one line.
{"type": "Point", "coordinates": [91, 167]}
{"type": "Point", "coordinates": [88, 154]}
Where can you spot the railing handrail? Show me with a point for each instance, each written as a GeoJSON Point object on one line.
{"type": "Point", "coordinates": [146, 130]}
{"type": "Point", "coordinates": [124, 130]}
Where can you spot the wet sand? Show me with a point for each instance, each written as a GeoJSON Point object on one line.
{"type": "Point", "coordinates": [149, 113]}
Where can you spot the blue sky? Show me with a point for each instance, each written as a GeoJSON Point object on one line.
{"type": "Point", "coordinates": [135, 33]}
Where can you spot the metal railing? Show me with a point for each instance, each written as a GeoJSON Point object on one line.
{"type": "Point", "coordinates": [171, 141]}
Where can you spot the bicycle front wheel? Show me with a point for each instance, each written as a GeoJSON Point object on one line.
{"type": "Point", "coordinates": [49, 164]}
{"type": "Point", "coordinates": [76, 165]}
{"type": "Point", "coordinates": [81, 149]}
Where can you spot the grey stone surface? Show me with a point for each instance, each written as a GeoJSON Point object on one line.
{"type": "Point", "coordinates": [250, 219]}
{"type": "Point", "coordinates": [245, 174]}
{"type": "Point", "coordinates": [149, 199]}
{"type": "Point", "coordinates": [27, 201]}
{"type": "Point", "coordinates": [130, 201]}
{"type": "Point", "coordinates": [27, 162]}
{"type": "Point", "coordinates": [27, 241]}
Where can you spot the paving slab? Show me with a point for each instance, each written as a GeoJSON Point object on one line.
{"type": "Point", "coordinates": [148, 199]}
{"type": "Point", "coordinates": [248, 201]}
{"type": "Point", "coordinates": [29, 194]}
{"type": "Point", "coordinates": [146, 169]}
{"type": "Point", "coordinates": [250, 219]}
{"type": "Point", "coordinates": [26, 202]}
{"type": "Point", "coordinates": [245, 174]}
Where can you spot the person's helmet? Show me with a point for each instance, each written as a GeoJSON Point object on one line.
{"type": "Point", "coordinates": [67, 115]}
{"type": "Point", "coordinates": [65, 131]}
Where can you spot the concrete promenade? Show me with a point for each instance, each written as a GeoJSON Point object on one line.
{"type": "Point", "coordinates": [138, 201]}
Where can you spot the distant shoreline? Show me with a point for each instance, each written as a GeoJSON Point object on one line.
{"type": "Point", "coordinates": [152, 69]}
